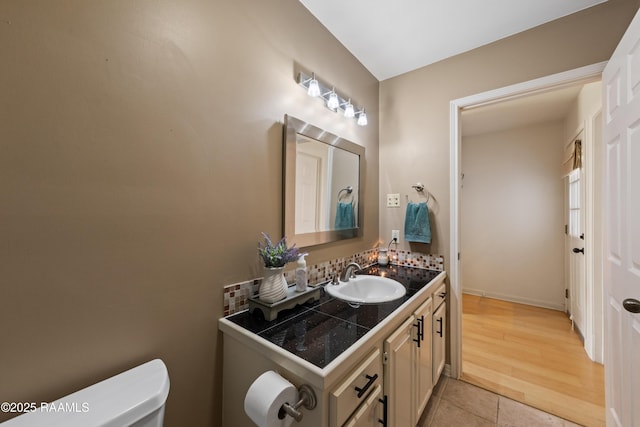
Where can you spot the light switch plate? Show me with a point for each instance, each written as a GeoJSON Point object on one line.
{"type": "Point", "coordinates": [393, 200]}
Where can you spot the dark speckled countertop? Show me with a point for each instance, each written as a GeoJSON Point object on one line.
{"type": "Point", "coordinates": [319, 332]}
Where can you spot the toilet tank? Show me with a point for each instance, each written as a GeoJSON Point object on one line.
{"type": "Point", "coordinates": [133, 398]}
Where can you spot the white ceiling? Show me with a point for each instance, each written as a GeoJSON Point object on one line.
{"type": "Point", "coordinates": [392, 37]}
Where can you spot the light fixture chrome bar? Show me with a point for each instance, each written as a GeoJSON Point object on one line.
{"type": "Point", "coordinates": [332, 98]}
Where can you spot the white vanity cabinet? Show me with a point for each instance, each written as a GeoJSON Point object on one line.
{"type": "Point", "coordinates": [385, 378]}
{"type": "Point", "coordinates": [439, 332]}
{"type": "Point", "coordinates": [408, 368]}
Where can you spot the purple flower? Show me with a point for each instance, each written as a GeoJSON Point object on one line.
{"type": "Point", "coordinates": [279, 254]}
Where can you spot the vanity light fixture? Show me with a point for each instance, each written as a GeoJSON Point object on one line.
{"type": "Point", "coordinates": [348, 110]}
{"type": "Point", "coordinates": [331, 98]}
{"type": "Point", "coordinates": [362, 118]}
{"type": "Point", "coordinates": [333, 102]}
{"type": "Point", "coordinates": [313, 88]}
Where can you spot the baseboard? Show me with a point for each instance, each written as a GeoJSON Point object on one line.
{"type": "Point", "coordinates": [516, 299]}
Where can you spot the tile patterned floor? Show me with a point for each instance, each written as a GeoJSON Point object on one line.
{"type": "Point", "coordinates": [456, 403]}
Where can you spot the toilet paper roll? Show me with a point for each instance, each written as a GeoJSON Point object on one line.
{"type": "Point", "coordinates": [265, 397]}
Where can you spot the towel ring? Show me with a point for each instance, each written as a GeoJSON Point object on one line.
{"type": "Point", "coordinates": [419, 187]}
{"type": "Point", "coordinates": [349, 190]}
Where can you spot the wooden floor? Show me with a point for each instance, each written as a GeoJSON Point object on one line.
{"type": "Point", "coordinates": [531, 355]}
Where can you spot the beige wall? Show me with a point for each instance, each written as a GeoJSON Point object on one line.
{"type": "Point", "coordinates": [414, 107]}
{"type": "Point", "coordinates": [587, 104]}
{"type": "Point", "coordinates": [512, 215]}
{"type": "Point", "coordinates": [140, 158]}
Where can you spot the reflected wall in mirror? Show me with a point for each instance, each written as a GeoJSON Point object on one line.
{"type": "Point", "coordinates": [322, 185]}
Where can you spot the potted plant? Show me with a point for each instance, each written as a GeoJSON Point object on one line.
{"type": "Point", "coordinates": [275, 256]}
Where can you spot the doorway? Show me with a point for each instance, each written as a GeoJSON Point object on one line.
{"type": "Point", "coordinates": [584, 74]}
{"type": "Point", "coordinates": [458, 181]}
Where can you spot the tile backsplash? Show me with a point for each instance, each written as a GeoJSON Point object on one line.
{"type": "Point", "coordinates": [416, 259]}
{"type": "Point", "coordinates": [236, 296]}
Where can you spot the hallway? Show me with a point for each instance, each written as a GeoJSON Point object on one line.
{"type": "Point", "coordinates": [531, 355]}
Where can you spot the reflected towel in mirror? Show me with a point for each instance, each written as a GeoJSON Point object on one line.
{"type": "Point", "coordinates": [345, 217]}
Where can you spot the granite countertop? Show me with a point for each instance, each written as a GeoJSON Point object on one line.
{"type": "Point", "coordinates": [320, 331]}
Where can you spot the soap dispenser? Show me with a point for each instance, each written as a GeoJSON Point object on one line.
{"type": "Point", "coordinates": [301, 274]}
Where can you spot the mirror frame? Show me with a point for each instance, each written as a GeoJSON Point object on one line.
{"type": "Point", "coordinates": [292, 127]}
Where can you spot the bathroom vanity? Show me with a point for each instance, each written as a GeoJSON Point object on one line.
{"type": "Point", "coordinates": [368, 366]}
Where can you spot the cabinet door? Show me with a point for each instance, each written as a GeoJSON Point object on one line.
{"type": "Point", "coordinates": [424, 367]}
{"type": "Point", "coordinates": [439, 340]}
{"type": "Point", "coordinates": [399, 381]}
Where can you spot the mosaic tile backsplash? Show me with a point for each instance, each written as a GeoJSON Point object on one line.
{"type": "Point", "coordinates": [236, 296]}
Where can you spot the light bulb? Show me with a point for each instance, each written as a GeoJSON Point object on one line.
{"type": "Point", "coordinates": [333, 102]}
{"type": "Point", "coordinates": [348, 110]}
{"type": "Point", "coordinates": [314, 88]}
{"type": "Point", "coordinates": [362, 118]}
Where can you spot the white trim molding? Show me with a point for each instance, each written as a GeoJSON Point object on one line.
{"type": "Point", "coordinates": [505, 297]}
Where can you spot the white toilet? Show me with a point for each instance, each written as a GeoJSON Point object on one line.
{"type": "Point", "coordinates": [134, 398]}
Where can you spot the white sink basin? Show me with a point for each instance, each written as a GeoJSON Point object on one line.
{"type": "Point", "coordinates": [367, 290]}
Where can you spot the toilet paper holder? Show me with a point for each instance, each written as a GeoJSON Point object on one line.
{"type": "Point", "coordinates": [307, 399]}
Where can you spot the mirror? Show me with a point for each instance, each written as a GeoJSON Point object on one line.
{"type": "Point", "coordinates": [323, 177]}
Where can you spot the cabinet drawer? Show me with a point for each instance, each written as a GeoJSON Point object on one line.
{"type": "Point", "coordinates": [439, 296]}
{"type": "Point", "coordinates": [369, 412]}
{"type": "Point", "coordinates": [355, 389]}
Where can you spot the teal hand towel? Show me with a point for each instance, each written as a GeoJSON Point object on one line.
{"type": "Point", "coordinates": [416, 223]}
{"type": "Point", "coordinates": [344, 216]}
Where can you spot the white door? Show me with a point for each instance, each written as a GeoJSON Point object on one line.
{"type": "Point", "coordinates": [621, 137]}
{"type": "Point", "coordinates": [575, 246]}
{"type": "Point", "coordinates": [308, 169]}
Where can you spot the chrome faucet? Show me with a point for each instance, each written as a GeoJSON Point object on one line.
{"type": "Point", "coordinates": [348, 272]}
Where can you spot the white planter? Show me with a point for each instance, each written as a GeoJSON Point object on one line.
{"type": "Point", "coordinates": [274, 286]}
